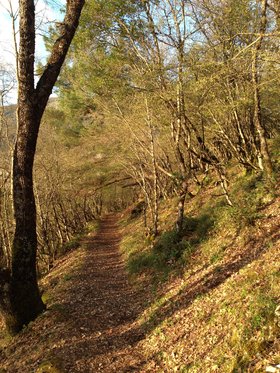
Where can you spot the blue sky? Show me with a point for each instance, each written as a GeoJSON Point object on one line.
{"type": "Point", "coordinates": [47, 12]}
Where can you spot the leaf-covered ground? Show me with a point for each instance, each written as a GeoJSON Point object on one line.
{"type": "Point", "coordinates": [91, 320]}
{"type": "Point", "coordinates": [218, 311]}
{"type": "Point", "coordinates": [217, 314]}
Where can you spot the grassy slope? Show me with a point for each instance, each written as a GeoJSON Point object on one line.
{"type": "Point", "coordinates": [215, 291]}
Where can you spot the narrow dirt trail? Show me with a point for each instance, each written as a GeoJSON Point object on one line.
{"type": "Point", "coordinates": [109, 308]}
{"type": "Point", "coordinates": [91, 325]}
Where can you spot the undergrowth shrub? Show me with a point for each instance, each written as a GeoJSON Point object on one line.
{"type": "Point", "coordinates": [197, 228]}
{"type": "Point", "coordinates": [73, 244]}
{"type": "Point", "coordinates": [137, 210]}
{"type": "Point", "coordinates": [172, 249]}
{"type": "Point", "coordinates": [275, 153]}
{"type": "Point", "coordinates": [259, 332]}
{"type": "Point", "coordinates": [75, 241]}
{"type": "Point", "coordinates": [167, 250]}
{"type": "Point", "coordinates": [169, 246]}
{"type": "Point", "coordinates": [249, 195]}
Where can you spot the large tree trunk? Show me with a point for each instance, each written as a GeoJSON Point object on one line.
{"type": "Point", "coordinates": [20, 299]}
{"type": "Point", "coordinates": [25, 297]}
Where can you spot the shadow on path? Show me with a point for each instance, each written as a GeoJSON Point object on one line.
{"type": "Point", "coordinates": [102, 310]}
{"type": "Point", "coordinates": [91, 321]}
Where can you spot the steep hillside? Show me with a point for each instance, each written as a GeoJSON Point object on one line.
{"type": "Point", "coordinates": [207, 301]}
{"type": "Point", "coordinates": [216, 289]}
{"type": "Point", "coordinates": [167, 117]}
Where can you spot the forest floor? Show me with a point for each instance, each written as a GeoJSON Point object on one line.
{"type": "Point", "coordinates": [90, 324]}
{"type": "Point", "coordinates": [215, 312]}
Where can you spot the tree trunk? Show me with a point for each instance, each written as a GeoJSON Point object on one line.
{"type": "Point", "coordinates": [155, 193]}
{"type": "Point", "coordinates": [20, 297]}
{"type": "Point", "coordinates": [263, 152]}
{"type": "Point", "coordinates": [181, 207]}
{"type": "Point", "coordinates": [25, 297]}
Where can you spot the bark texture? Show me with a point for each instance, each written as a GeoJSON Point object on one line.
{"type": "Point", "coordinates": [263, 152]}
{"type": "Point", "coordinates": [20, 296]}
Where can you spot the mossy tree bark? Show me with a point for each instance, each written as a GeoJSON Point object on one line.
{"type": "Point", "coordinates": [20, 297]}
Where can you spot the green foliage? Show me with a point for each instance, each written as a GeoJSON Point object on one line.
{"type": "Point", "coordinates": [68, 277]}
{"type": "Point", "coordinates": [137, 210]}
{"type": "Point", "coordinates": [92, 226]}
{"type": "Point", "coordinates": [73, 244]}
{"type": "Point", "coordinates": [250, 195]}
{"type": "Point", "coordinates": [262, 310]}
{"type": "Point", "coordinates": [275, 152]}
{"type": "Point", "coordinates": [67, 128]}
{"type": "Point", "coordinates": [51, 365]}
{"type": "Point", "coordinates": [217, 255]}
{"type": "Point", "coordinates": [197, 228]}
{"type": "Point", "coordinates": [5, 339]}
{"type": "Point", "coordinates": [258, 333]}
{"type": "Point", "coordinates": [167, 250]}
{"type": "Point", "coordinates": [171, 250]}
{"type": "Point", "coordinates": [46, 297]}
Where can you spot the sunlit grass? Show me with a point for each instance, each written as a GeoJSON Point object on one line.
{"type": "Point", "coordinates": [235, 322]}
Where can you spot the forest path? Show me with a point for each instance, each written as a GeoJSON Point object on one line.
{"type": "Point", "coordinates": [91, 323]}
